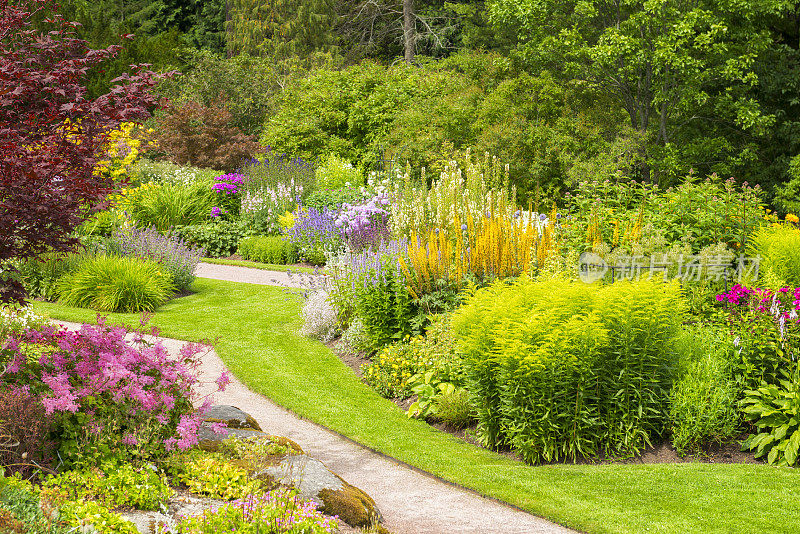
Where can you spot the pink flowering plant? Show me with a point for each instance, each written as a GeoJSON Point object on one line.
{"type": "Point", "coordinates": [110, 394]}
{"type": "Point", "coordinates": [227, 191]}
{"type": "Point", "coordinates": [281, 512]}
{"type": "Point", "coordinates": [765, 324]}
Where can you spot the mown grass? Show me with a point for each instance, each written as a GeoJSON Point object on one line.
{"type": "Point", "coordinates": [263, 266]}
{"type": "Point", "coordinates": [255, 328]}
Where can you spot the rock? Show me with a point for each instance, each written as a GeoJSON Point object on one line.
{"type": "Point", "coordinates": [231, 416]}
{"type": "Point", "coordinates": [333, 495]}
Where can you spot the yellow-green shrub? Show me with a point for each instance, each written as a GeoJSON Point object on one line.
{"type": "Point", "coordinates": [563, 370]}
{"type": "Point", "coordinates": [779, 248]}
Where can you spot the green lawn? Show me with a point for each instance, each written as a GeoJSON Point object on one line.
{"type": "Point", "coordinates": [255, 332]}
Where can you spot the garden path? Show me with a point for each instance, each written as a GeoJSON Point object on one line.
{"type": "Point", "coordinates": [411, 501]}
{"type": "Point", "coordinates": [247, 275]}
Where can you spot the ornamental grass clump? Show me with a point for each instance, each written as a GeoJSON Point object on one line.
{"type": "Point", "coordinates": [113, 283]}
{"type": "Point", "coordinates": [108, 397]}
{"type": "Point", "coordinates": [170, 252]}
{"type": "Point", "coordinates": [562, 370]}
{"type": "Point", "coordinates": [169, 205]}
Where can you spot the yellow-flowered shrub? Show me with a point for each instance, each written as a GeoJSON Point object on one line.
{"type": "Point", "coordinates": [122, 150]}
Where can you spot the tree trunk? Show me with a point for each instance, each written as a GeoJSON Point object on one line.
{"type": "Point", "coordinates": [409, 30]}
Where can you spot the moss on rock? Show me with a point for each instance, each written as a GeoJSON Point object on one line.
{"type": "Point", "coordinates": [351, 504]}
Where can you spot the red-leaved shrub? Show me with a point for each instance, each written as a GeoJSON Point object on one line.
{"type": "Point", "coordinates": [203, 136]}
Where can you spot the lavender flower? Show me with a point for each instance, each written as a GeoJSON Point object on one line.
{"type": "Point", "coordinates": [176, 257]}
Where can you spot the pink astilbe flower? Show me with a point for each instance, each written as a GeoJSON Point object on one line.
{"type": "Point", "coordinates": [121, 384]}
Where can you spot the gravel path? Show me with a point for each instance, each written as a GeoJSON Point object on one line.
{"type": "Point", "coordinates": [233, 273]}
{"type": "Point", "coordinates": [411, 502]}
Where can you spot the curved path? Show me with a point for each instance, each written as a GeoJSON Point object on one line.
{"type": "Point", "coordinates": [411, 501]}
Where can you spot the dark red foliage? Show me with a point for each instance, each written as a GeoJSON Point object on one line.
{"type": "Point", "coordinates": [24, 429]}
{"type": "Point", "coordinates": [203, 136]}
{"type": "Point", "coordinates": [51, 134]}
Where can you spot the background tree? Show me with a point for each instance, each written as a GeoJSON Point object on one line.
{"type": "Point", "coordinates": [51, 134]}
{"type": "Point", "coordinates": [681, 70]}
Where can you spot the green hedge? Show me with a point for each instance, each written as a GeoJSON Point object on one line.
{"type": "Point", "coordinates": [268, 249]}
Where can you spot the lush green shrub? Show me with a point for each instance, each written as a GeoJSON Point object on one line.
{"type": "Point", "coordinates": [703, 402]}
{"type": "Point", "coordinates": [565, 370]}
{"type": "Point", "coordinates": [116, 485]}
{"type": "Point", "coordinates": [779, 248]}
{"type": "Point", "coordinates": [211, 474]}
{"type": "Point", "coordinates": [336, 173]}
{"type": "Point", "coordinates": [111, 283]}
{"type": "Point", "coordinates": [774, 409]}
{"type": "Point", "coordinates": [21, 510]}
{"type": "Point", "coordinates": [101, 223]}
{"type": "Point", "coordinates": [218, 238]}
{"type": "Point", "coordinates": [166, 172]}
{"type": "Point", "coordinates": [395, 368]}
{"type": "Point", "coordinates": [40, 275]}
{"type": "Point", "coordinates": [333, 199]}
{"type": "Point", "coordinates": [392, 367]}
{"type": "Point", "coordinates": [268, 249]}
{"type": "Point", "coordinates": [102, 520]}
{"type": "Point", "coordinates": [171, 205]}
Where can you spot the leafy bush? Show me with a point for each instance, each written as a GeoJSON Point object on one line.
{"type": "Point", "coordinates": [111, 283]}
{"type": "Point", "coordinates": [392, 367]}
{"type": "Point", "coordinates": [22, 512]}
{"type": "Point", "coordinates": [779, 248]}
{"type": "Point", "coordinates": [116, 485]}
{"type": "Point", "coordinates": [280, 512]}
{"type": "Point", "coordinates": [203, 136]}
{"type": "Point", "coordinates": [40, 275]}
{"type": "Point", "coordinates": [564, 370]}
{"type": "Point", "coordinates": [110, 400]}
{"type": "Point", "coordinates": [396, 368]}
{"type": "Point", "coordinates": [171, 205]}
{"type": "Point", "coordinates": [268, 249]}
{"type": "Point", "coordinates": [332, 199]}
{"type": "Point", "coordinates": [219, 238]}
{"type": "Point", "coordinates": [101, 223]}
{"type": "Point", "coordinates": [454, 408]}
{"type": "Point", "coordinates": [774, 409]}
{"type": "Point", "coordinates": [211, 474]}
{"type": "Point", "coordinates": [705, 395]}
{"type": "Point", "coordinates": [165, 172]}
{"type": "Point", "coordinates": [102, 520]}
{"type": "Point", "coordinates": [336, 173]}
{"type": "Point", "coordinates": [170, 253]}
